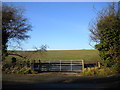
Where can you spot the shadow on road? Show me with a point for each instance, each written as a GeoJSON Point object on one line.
{"type": "Point", "coordinates": [77, 84]}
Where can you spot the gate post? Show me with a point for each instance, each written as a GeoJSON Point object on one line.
{"type": "Point", "coordinates": [49, 66]}
{"type": "Point", "coordinates": [39, 66]}
{"type": "Point", "coordinates": [98, 64]}
{"type": "Point", "coordinates": [33, 65]}
{"type": "Point", "coordinates": [82, 65]}
{"type": "Point", "coordinates": [60, 65]}
{"type": "Point", "coordinates": [71, 65]}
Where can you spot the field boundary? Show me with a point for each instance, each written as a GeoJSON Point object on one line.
{"type": "Point", "coordinates": [62, 65]}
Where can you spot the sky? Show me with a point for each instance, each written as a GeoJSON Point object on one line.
{"type": "Point", "coordinates": [59, 25]}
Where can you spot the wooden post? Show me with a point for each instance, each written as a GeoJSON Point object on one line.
{"type": "Point", "coordinates": [71, 65]}
{"type": "Point", "coordinates": [28, 63]}
{"type": "Point", "coordinates": [82, 65]}
{"type": "Point", "coordinates": [98, 64]}
{"type": "Point", "coordinates": [21, 65]}
{"type": "Point", "coordinates": [39, 63]}
{"type": "Point", "coordinates": [24, 63]}
{"type": "Point", "coordinates": [49, 66]}
{"type": "Point", "coordinates": [33, 64]}
{"type": "Point", "coordinates": [60, 65]}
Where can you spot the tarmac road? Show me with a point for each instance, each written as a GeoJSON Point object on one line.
{"type": "Point", "coordinates": [79, 84]}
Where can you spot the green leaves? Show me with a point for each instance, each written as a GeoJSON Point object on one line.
{"type": "Point", "coordinates": [107, 30]}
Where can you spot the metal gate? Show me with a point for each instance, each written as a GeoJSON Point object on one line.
{"type": "Point", "coordinates": [62, 65]}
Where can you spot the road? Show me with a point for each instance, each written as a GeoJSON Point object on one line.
{"type": "Point", "coordinates": [77, 84]}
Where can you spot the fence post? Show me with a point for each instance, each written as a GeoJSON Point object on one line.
{"type": "Point", "coordinates": [60, 65]}
{"type": "Point", "coordinates": [28, 63]}
{"type": "Point", "coordinates": [33, 61]}
{"type": "Point", "coordinates": [71, 65]}
{"type": "Point", "coordinates": [49, 66]}
{"type": "Point", "coordinates": [82, 65]}
{"type": "Point", "coordinates": [24, 63]}
{"type": "Point", "coordinates": [39, 65]}
{"type": "Point", "coordinates": [33, 65]}
{"type": "Point", "coordinates": [98, 64]}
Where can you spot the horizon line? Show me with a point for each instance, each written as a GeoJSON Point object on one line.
{"type": "Point", "coordinates": [55, 50]}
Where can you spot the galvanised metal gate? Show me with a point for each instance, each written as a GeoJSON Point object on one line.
{"type": "Point", "coordinates": [62, 65]}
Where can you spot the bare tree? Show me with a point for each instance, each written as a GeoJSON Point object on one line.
{"type": "Point", "coordinates": [42, 49]}
{"type": "Point", "coordinates": [14, 26]}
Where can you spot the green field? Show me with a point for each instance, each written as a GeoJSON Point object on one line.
{"type": "Point", "coordinates": [56, 55]}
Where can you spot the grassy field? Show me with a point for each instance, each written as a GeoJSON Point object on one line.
{"type": "Point", "coordinates": [56, 55]}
